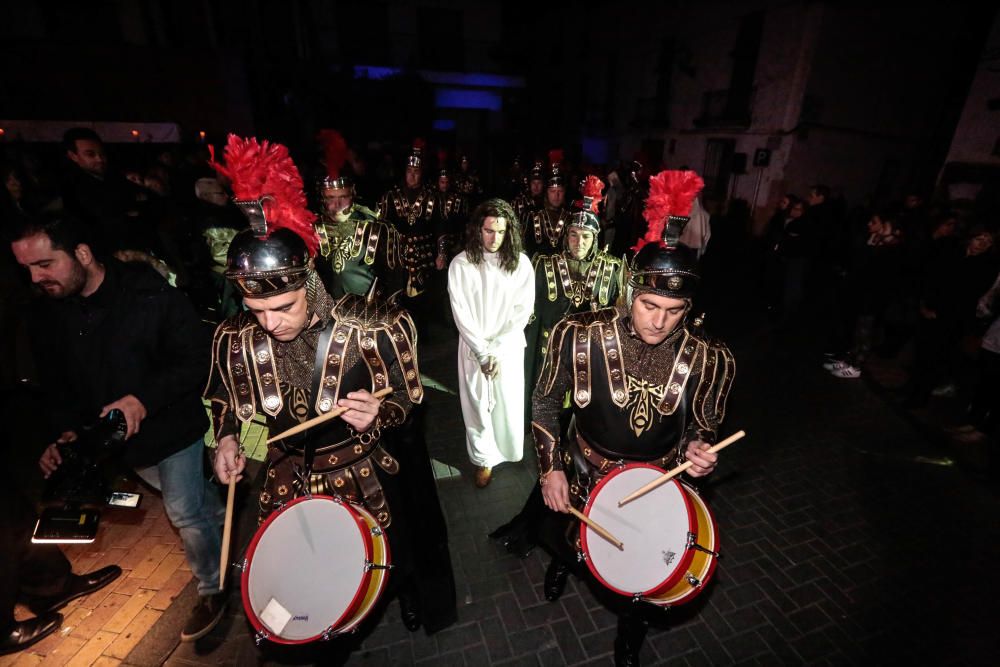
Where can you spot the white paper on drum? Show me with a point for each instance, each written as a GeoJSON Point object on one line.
{"type": "Point", "coordinates": [275, 617]}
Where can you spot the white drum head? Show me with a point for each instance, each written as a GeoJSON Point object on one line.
{"type": "Point", "coordinates": [653, 530]}
{"type": "Point", "coordinates": [307, 569]}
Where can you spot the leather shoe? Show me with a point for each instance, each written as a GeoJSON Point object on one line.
{"type": "Point", "coordinates": [555, 580]}
{"type": "Point", "coordinates": [409, 612]}
{"type": "Point", "coordinates": [77, 585]}
{"type": "Point", "coordinates": [483, 476]}
{"type": "Point", "coordinates": [23, 634]}
{"type": "Point", "coordinates": [631, 633]}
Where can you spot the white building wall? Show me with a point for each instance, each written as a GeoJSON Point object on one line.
{"type": "Point", "coordinates": [978, 133]}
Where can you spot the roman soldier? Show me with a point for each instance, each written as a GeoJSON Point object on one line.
{"type": "Point", "coordinates": [355, 247]}
{"type": "Point", "coordinates": [581, 277]}
{"type": "Point", "coordinates": [645, 384]}
{"type": "Point", "coordinates": [295, 354]}
{"type": "Point", "coordinates": [453, 208]}
{"type": "Point", "coordinates": [467, 180]}
{"type": "Point", "coordinates": [532, 198]}
{"type": "Point", "coordinates": [411, 208]}
{"type": "Point", "coordinates": [544, 232]}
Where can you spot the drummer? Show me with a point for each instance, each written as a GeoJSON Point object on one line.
{"type": "Point", "coordinates": [265, 360]}
{"type": "Point", "coordinates": [645, 385]}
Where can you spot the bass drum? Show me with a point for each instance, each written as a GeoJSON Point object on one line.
{"type": "Point", "coordinates": [669, 537]}
{"type": "Point", "coordinates": [315, 569]}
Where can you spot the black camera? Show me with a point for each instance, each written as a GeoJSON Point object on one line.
{"type": "Point", "coordinates": [82, 477]}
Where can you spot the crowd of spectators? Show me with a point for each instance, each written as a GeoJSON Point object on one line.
{"type": "Point", "coordinates": [912, 282]}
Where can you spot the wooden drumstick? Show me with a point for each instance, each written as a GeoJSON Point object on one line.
{"type": "Point", "coordinates": [596, 527]}
{"type": "Point", "coordinates": [663, 479]}
{"type": "Point", "coordinates": [226, 532]}
{"type": "Point", "coordinates": [322, 418]}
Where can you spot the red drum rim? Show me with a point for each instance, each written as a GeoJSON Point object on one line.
{"type": "Point", "coordinates": [682, 564]}
{"type": "Point", "coordinates": [245, 578]}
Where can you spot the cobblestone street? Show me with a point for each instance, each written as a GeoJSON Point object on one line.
{"type": "Point", "coordinates": [849, 536]}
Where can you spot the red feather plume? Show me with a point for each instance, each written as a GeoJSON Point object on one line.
{"type": "Point", "coordinates": [593, 187]}
{"type": "Point", "coordinates": [266, 169]}
{"type": "Point", "coordinates": [334, 151]}
{"type": "Point", "coordinates": [556, 156]}
{"type": "Point", "coordinates": [671, 192]}
{"type": "Point", "coordinates": [419, 143]}
{"type": "Point", "coordinates": [442, 157]}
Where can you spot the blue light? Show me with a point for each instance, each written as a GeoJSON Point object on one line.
{"type": "Point", "coordinates": [368, 72]}
{"type": "Point", "coordinates": [595, 150]}
{"type": "Point", "coordinates": [444, 125]}
{"type": "Point", "coordinates": [460, 98]}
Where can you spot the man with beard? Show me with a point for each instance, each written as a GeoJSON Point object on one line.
{"type": "Point", "coordinates": [644, 386]}
{"type": "Point", "coordinates": [266, 360]}
{"type": "Point", "coordinates": [489, 284]}
{"type": "Point", "coordinates": [355, 246]}
{"type": "Point", "coordinates": [544, 233]}
{"type": "Point", "coordinates": [114, 335]}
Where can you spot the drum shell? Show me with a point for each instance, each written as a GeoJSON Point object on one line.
{"type": "Point", "coordinates": [360, 605]}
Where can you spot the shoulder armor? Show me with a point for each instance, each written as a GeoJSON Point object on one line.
{"type": "Point", "coordinates": [593, 317]}
{"type": "Point", "coordinates": [355, 312]}
{"type": "Point", "coordinates": [363, 213]}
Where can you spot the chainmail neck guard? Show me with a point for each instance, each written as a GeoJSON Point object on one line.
{"type": "Point", "coordinates": [296, 358]}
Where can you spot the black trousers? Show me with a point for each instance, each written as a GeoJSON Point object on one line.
{"type": "Point", "coordinates": [25, 568]}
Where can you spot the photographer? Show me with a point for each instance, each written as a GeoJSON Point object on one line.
{"type": "Point", "coordinates": [111, 336]}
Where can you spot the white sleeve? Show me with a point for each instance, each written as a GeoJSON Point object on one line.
{"type": "Point", "coordinates": [468, 328]}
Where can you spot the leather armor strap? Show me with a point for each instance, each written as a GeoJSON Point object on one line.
{"type": "Point", "coordinates": [604, 465]}
{"type": "Point", "coordinates": [368, 344]}
{"type": "Point", "coordinates": [612, 352]}
{"type": "Point", "coordinates": [371, 491]}
{"type": "Point", "coordinates": [333, 369]}
{"type": "Point", "coordinates": [324, 239]}
{"type": "Point", "coordinates": [239, 372]}
{"type": "Point", "coordinates": [309, 451]}
{"type": "Point", "coordinates": [266, 373]}
{"type": "Point", "coordinates": [403, 347]}
{"type": "Point", "coordinates": [679, 375]}
{"type": "Point", "coordinates": [581, 366]}
{"type": "Point", "coordinates": [547, 448]}
{"type": "Point", "coordinates": [374, 233]}
{"type": "Point", "coordinates": [608, 272]}
{"type": "Point", "coordinates": [550, 279]}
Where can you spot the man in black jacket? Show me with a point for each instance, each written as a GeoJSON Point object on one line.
{"type": "Point", "coordinates": [116, 336]}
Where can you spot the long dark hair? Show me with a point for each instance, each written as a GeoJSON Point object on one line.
{"type": "Point", "coordinates": [510, 249]}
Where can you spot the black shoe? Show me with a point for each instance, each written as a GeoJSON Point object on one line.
{"type": "Point", "coordinates": [77, 585]}
{"type": "Point", "coordinates": [23, 634]}
{"type": "Point", "coordinates": [409, 612]}
{"type": "Point", "coordinates": [628, 642]}
{"type": "Point", "coordinates": [205, 616]}
{"type": "Point", "coordinates": [555, 579]}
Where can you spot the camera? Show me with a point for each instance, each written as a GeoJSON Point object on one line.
{"type": "Point", "coordinates": [81, 479]}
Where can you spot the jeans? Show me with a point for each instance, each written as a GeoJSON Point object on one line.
{"type": "Point", "coordinates": [193, 506]}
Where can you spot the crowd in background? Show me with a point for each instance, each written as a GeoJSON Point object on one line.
{"type": "Point", "coordinates": [917, 277]}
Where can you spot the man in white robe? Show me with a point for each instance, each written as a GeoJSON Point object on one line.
{"type": "Point", "coordinates": [492, 293]}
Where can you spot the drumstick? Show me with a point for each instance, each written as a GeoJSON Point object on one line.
{"type": "Point", "coordinates": [322, 418]}
{"type": "Point", "coordinates": [226, 531]}
{"type": "Point", "coordinates": [663, 479]}
{"type": "Point", "coordinates": [596, 527]}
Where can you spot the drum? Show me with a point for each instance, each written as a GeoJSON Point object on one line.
{"type": "Point", "coordinates": [669, 537]}
{"type": "Point", "coordinates": [314, 569]}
